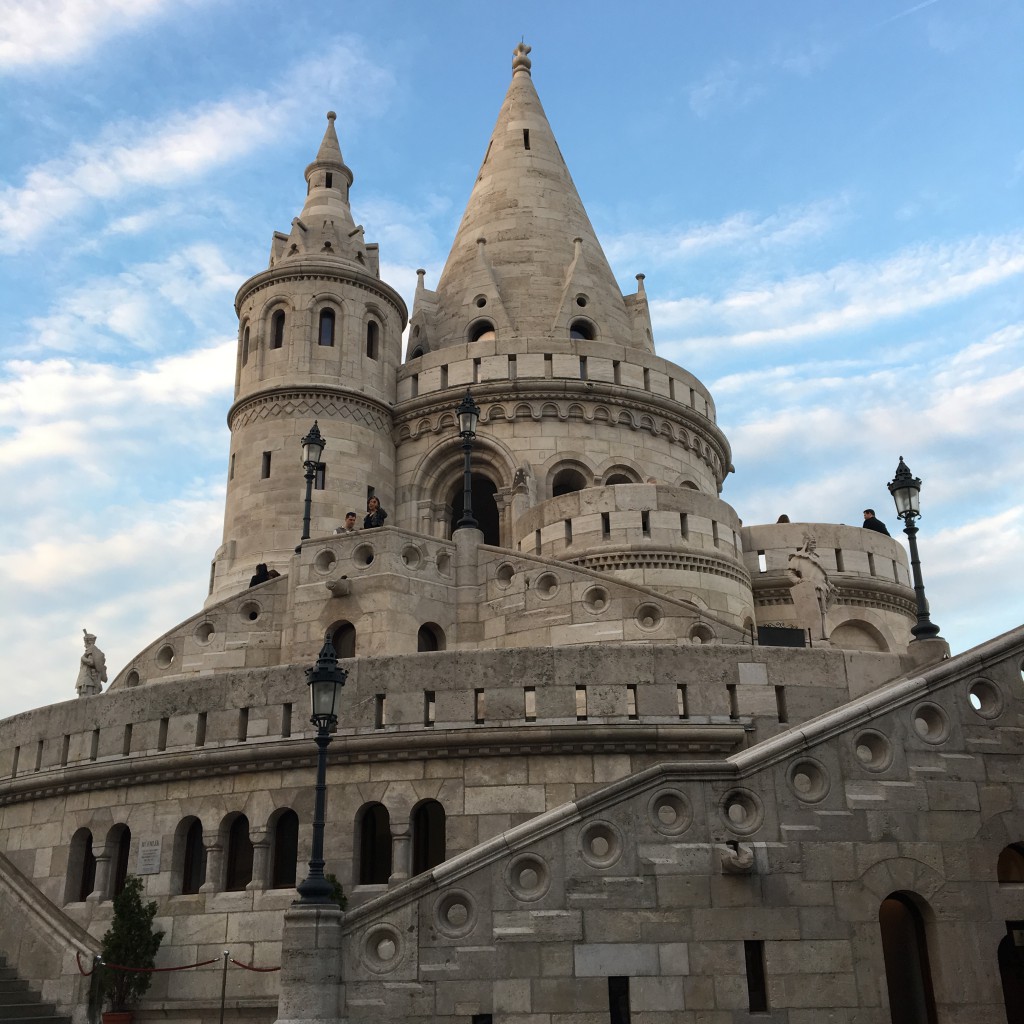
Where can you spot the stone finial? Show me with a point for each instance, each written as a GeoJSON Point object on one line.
{"type": "Point", "coordinates": [92, 668]}
{"type": "Point", "coordinates": [640, 284]}
{"type": "Point", "coordinates": [735, 859]}
{"type": "Point", "coordinates": [331, 115]}
{"type": "Point", "coordinates": [520, 62]}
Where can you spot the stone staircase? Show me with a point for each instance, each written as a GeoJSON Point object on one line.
{"type": "Point", "coordinates": [20, 1004]}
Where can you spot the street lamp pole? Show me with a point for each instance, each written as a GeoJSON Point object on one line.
{"type": "Point", "coordinates": [905, 490]}
{"type": "Point", "coordinates": [468, 413]}
{"type": "Point", "coordinates": [312, 449]}
{"type": "Point", "coordinates": [325, 681]}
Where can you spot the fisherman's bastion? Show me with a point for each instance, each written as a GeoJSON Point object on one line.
{"type": "Point", "coordinates": [608, 755]}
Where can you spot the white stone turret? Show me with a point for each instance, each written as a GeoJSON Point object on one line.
{"type": "Point", "coordinates": [319, 339]}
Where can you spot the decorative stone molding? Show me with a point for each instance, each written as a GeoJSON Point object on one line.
{"type": "Point", "coordinates": [618, 561]}
{"type": "Point", "coordinates": [322, 401]}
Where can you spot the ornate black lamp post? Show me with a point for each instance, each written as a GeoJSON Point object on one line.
{"type": "Point", "coordinates": [468, 413]}
{"type": "Point", "coordinates": [312, 449]}
{"type": "Point", "coordinates": [325, 681]}
{"type": "Point", "coordinates": [905, 490]}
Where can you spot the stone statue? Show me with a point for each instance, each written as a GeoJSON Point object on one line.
{"type": "Point", "coordinates": [92, 673]}
{"type": "Point", "coordinates": [813, 592]}
{"type": "Point", "coordinates": [521, 480]}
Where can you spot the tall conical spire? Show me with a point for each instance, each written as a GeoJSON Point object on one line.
{"type": "Point", "coordinates": [526, 255]}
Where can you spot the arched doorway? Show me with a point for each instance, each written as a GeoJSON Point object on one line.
{"type": "Point", "coordinates": [1011, 972]}
{"type": "Point", "coordinates": [485, 508]}
{"type": "Point", "coordinates": [905, 949]}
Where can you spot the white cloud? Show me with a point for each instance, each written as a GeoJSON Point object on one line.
{"type": "Point", "coordinates": [35, 33]}
{"type": "Point", "coordinates": [723, 88]}
{"type": "Point", "coordinates": [845, 297]}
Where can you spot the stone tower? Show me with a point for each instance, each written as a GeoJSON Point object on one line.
{"type": "Point", "coordinates": [319, 338]}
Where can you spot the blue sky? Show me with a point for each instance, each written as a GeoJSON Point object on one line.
{"type": "Point", "coordinates": [826, 200]}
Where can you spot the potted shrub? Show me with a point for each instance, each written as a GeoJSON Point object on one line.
{"type": "Point", "coordinates": [129, 942]}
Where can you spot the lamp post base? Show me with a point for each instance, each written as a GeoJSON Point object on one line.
{"type": "Point", "coordinates": [311, 982]}
{"type": "Point", "coordinates": [925, 651]}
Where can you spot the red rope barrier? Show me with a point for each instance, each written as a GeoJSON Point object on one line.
{"type": "Point", "coordinates": [258, 970]}
{"type": "Point", "coordinates": [84, 974]}
{"type": "Point", "coordinates": [161, 970]}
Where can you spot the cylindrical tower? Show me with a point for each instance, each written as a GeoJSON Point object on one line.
{"type": "Point", "coordinates": [319, 339]}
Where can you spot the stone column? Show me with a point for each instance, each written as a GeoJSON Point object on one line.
{"type": "Point", "coordinates": [400, 852]}
{"type": "Point", "coordinates": [101, 885]}
{"type": "Point", "coordinates": [214, 865]}
{"type": "Point", "coordinates": [311, 982]}
{"type": "Point", "coordinates": [260, 861]}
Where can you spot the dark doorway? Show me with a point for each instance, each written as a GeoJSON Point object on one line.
{"type": "Point", "coordinates": [374, 845]}
{"type": "Point", "coordinates": [124, 842]}
{"type": "Point", "coordinates": [485, 508]}
{"type": "Point", "coordinates": [1011, 973]}
{"type": "Point", "coordinates": [905, 950]}
{"type": "Point", "coordinates": [285, 851]}
{"type": "Point", "coordinates": [238, 870]}
{"type": "Point", "coordinates": [428, 839]}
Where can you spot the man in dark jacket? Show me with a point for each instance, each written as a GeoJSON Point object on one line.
{"type": "Point", "coordinates": [871, 523]}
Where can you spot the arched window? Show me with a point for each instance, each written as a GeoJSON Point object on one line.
{"type": "Point", "coordinates": [581, 330]}
{"type": "Point", "coordinates": [416, 353]}
{"type": "Point", "coordinates": [1010, 866]}
{"type": "Point", "coordinates": [238, 862]}
{"type": "Point", "coordinates": [372, 338]}
{"type": "Point", "coordinates": [284, 850]}
{"type": "Point", "coordinates": [618, 478]}
{"type": "Point", "coordinates": [905, 950]}
{"type": "Point", "coordinates": [481, 330]}
{"type": "Point", "coordinates": [373, 825]}
{"type": "Point", "coordinates": [277, 329]}
{"type": "Point", "coordinates": [191, 854]}
{"type": "Point", "coordinates": [565, 481]}
{"type": "Point", "coordinates": [485, 508]}
{"type": "Point", "coordinates": [245, 345]}
{"type": "Point", "coordinates": [430, 637]}
{"type": "Point", "coordinates": [119, 841]}
{"type": "Point", "coordinates": [81, 877]}
{"type": "Point", "coordinates": [326, 335]}
{"type": "Point", "coordinates": [428, 839]}
{"type": "Point", "coordinates": [343, 639]}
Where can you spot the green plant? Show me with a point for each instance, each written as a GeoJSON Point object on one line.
{"type": "Point", "coordinates": [129, 942]}
{"type": "Point", "coordinates": [337, 893]}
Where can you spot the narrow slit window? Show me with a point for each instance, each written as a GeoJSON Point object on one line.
{"type": "Point", "coordinates": [780, 704]}
{"type": "Point", "coordinates": [757, 982]}
{"type": "Point", "coordinates": [320, 477]}
{"type": "Point", "coordinates": [840, 566]}
{"type": "Point", "coordinates": [672, 388]}
{"type": "Point", "coordinates": [526, 138]}
{"type": "Point", "coordinates": [568, 532]}
{"type": "Point", "coordinates": [631, 711]}
{"type": "Point", "coordinates": [201, 729]}
{"type": "Point", "coordinates": [231, 467]}
{"type": "Point", "coordinates": [476, 371]}
{"type": "Point", "coordinates": [647, 379]}
{"type": "Point", "coordinates": [126, 744]}
{"type": "Point", "coordinates": [714, 533]}
{"type": "Point", "coordinates": [583, 367]}
{"type": "Point", "coordinates": [682, 706]}
{"type": "Point", "coordinates": [684, 526]}
{"type": "Point", "coordinates": [895, 571]}
{"type": "Point", "coordinates": [734, 702]}
{"type": "Point", "coordinates": [94, 745]}
{"type": "Point", "coordinates": [871, 563]}
{"type": "Point", "coordinates": [414, 386]}
{"type": "Point", "coordinates": [65, 748]}
{"type": "Point", "coordinates": [372, 338]}
{"type": "Point", "coordinates": [39, 755]}
{"type": "Point", "coordinates": [581, 703]}
{"type": "Point", "coordinates": [326, 335]}
{"type": "Point", "coordinates": [328, 180]}
{"type": "Point", "coordinates": [286, 721]}
{"type": "Point", "coordinates": [548, 366]}
{"type": "Point", "coordinates": [762, 562]}
{"type": "Point", "coordinates": [265, 468]}
{"type": "Point", "coordinates": [380, 710]}
{"type": "Point", "coordinates": [243, 724]}
{"type": "Point", "coordinates": [530, 703]}
{"type": "Point", "coordinates": [161, 736]}
{"type": "Point", "coordinates": [245, 346]}
{"type": "Point", "coordinates": [429, 707]}
{"type": "Point", "coordinates": [536, 542]}
{"type": "Point", "coordinates": [512, 368]}
{"type": "Point", "coordinates": [645, 523]}
{"type": "Point", "coordinates": [693, 399]}
{"type": "Point", "coordinates": [14, 762]}
{"type": "Point", "coordinates": [618, 1000]}
{"type": "Point", "coordinates": [277, 330]}
{"type": "Point", "coordinates": [444, 376]}
{"type": "Point", "coordinates": [616, 372]}
{"type": "Point", "coordinates": [479, 707]}
{"type": "Point", "coordinates": [606, 525]}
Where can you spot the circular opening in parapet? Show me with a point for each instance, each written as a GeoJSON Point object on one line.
{"type": "Point", "coordinates": [363, 555]}
{"type": "Point", "coordinates": [986, 698]}
{"type": "Point", "coordinates": [444, 564]}
{"type": "Point", "coordinates": [931, 723]}
{"type": "Point", "coordinates": [649, 617]}
{"type": "Point", "coordinates": [600, 844]}
{"type": "Point", "coordinates": [701, 634]}
{"type": "Point", "coordinates": [873, 750]}
{"type": "Point", "coordinates": [325, 561]}
{"type": "Point", "coordinates": [670, 812]}
{"type": "Point", "coordinates": [382, 949]}
{"type": "Point", "coordinates": [547, 584]}
{"type": "Point", "coordinates": [204, 633]}
{"type": "Point", "coordinates": [581, 301]}
{"type": "Point", "coordinates": [741, 811]}
{"type": "Point", "coordinates": [527, 877]}
{"type": "Point", "coordinates": [504, 574]}
{"type": "Point", "coordinates": [132, 679]}
{"type": "Point", "coordinates": [480, 301]}
{"type": "Point", "coordinates": [165, 656]}
{"type": "Point", "coordinates": [412, 557]}
{"type": "Point", "coordinates": [455, 914]}
{"type": "Point", "coordinates": [809, 780]}
{"type": "Point", "coordinates": [250, 611]}
{"type": "Point", "coordinates": [595, 599]}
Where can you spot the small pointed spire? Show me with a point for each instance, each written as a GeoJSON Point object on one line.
{"type": "Point", "coordinates": [520, 62]}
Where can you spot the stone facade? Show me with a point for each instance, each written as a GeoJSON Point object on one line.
{"type": "Point", "coordinates": [574, 780]}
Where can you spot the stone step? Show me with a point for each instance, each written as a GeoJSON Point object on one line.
{"type": "Point", "coordinates": [17, 991]}
{"type": "Point", "coordinates": [52, 1019]}
{"type": "Point", "coordinates": [26, 1010]}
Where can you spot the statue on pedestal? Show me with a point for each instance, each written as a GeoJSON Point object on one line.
{"type": "Point", "coordinates": [92, 673]}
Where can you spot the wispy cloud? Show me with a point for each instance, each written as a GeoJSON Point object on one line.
{"type": "Point", "coordinates": [41, 33]}
{"type": "Point", "coordinates": [725, 88]}
{"type": "Point", "coordinates": [850, 295]}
